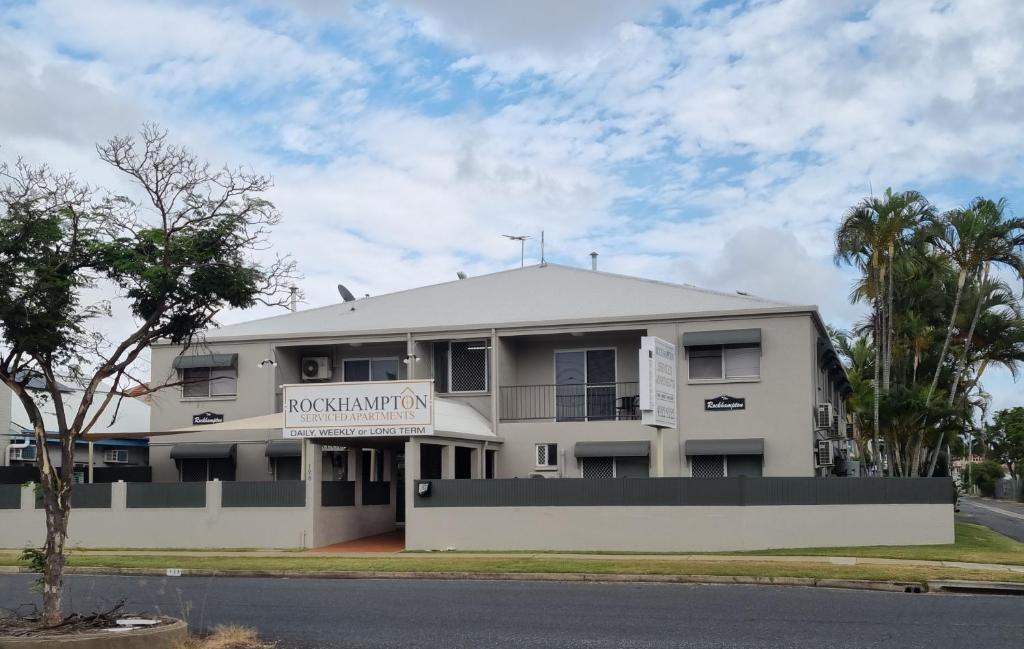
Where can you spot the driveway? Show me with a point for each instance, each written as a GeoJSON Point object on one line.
{"type": "Point", "coordinates": [394, 614]}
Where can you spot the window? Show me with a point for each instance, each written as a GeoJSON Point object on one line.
{"type": "Point", "coordinates": [707, 466]}
{"type": "Point", "coordinates": [287, 468]}
{"type": "Point", "coordinates": [206, 382]}
{"type": "Point", "coordinates": [460, 366]}
{"type": "Point", "coordinates": [729, 361]}
{"type": "Point", "coordinates": [547, 456]}
{"type": "Point", "coordinates": [205, 470]}
{"type": "Point", "coordinates": [585, 384]}
{"type": "Point", "coordinates": [614, 467]}
{"type": "Point", "coordinates": [370, 369]}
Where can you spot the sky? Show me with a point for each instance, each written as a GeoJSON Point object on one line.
{"type": "Point", "coordinates": [710, 143]}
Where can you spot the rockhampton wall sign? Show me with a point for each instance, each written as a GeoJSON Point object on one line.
{"type": "Point", "coordinates": [363, 409]}
{"type": "Point", "coordinates": [725, 403]}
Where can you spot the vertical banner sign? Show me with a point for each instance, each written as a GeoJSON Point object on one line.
{"type": "Point", "coordinates": [657, 382]}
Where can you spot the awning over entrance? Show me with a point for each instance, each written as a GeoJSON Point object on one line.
{"type": "Point", "coordinates": [722, 337]}
{"type": "Point", "coordinates": [746, 446]}
{"type": "Point", "coordinates": [284, 448]}
{"type": "Point", "coordinates": [205, 360]}
{"type": "Point", "coordinates": [612, 449]}
{"type": "Point", "coordinates": [203, 451]}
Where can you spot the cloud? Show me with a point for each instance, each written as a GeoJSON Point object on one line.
{"type": "Point", "coordinates": [527, 25]}
{"type": "Point", "coordinates": [708, 143]}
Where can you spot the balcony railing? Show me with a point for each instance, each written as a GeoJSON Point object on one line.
{"type": "Point", "coordinates": [573, 402]}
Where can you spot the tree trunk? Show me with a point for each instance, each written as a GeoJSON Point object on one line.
{"type": "Point", "coordinates": [962, 363]}
{"type": "Point", "coordinates": [887, 367]}
{"type": "Point", "coordinates": [949, 336]}
{"type": "Point", "coordinates": [57, 512]}
{"type": "Point", "coordinates": [878, 361]}
{"type": "Point", "coordinates": [56, 487]}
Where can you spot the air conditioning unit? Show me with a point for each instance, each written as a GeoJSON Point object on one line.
{"type": "Point", "coordinates": [849, 430]}
{"type": "Point", "coordinates": [25, 454]}
{"type": "Point", "coordinates": [823, 416]}
{"type": "Point", "coordinates": [538, 475]}
{"type": "Point", "coordinates": [316, 368]}
{"type": "Point", "coordinates": [116, 457]}
{"type": "Point", "coordinates": [824, 452]}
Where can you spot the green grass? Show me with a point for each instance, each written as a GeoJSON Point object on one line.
{"type": "Point", "coordinates": [533, 564]}
{"type": "Point", "coordinates": [974, 544]}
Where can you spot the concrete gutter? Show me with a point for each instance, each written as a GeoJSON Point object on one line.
{"type": "Point", "coordinates": [977, 587]}
{"type": "Point", "coordinates": [855, 584]}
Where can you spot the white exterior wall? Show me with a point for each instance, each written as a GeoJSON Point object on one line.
{"type": "Point", "coordinates": [676, 529]}
{"type": "Point", "coordinates": [212, 526]}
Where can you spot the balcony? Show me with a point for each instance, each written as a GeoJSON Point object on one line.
{"type": "Point", "coordinates": [570, 402]}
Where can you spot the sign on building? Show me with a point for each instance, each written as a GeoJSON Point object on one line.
{"type": "Point", "coordinates": [364, 409]}
{"type": "Point", "coordinates": [657, 382]}
{"type": "Point", "coordinates": [725, 402]}
{"type": "Point", "coordinates": [207, 417]}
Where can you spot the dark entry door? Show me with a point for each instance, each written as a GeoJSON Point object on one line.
{"type": "Point", "coordinates": [399, 473]}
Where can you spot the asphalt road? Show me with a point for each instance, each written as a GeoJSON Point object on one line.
{"type": "Point", "coordinates": [311, 613]}
{"type": "Point", "coordinates": [1009, 524]}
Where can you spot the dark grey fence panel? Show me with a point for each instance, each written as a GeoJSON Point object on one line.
{"type": "Point", "coordinates": [126, 473]}
{"type": "Point", "coordinates": [685, 492]}
{"type": "Point", "coordinates": [166, 494]}
{"type": "Point", "coordinates": [10, 496]}
{"type": "Point", "coordinates": [280, 493]}
{"type": "Point", "coordinates": [85, 496]}
{"type": "Point", "coordinates": [376, 493]}
{"type": "Point", "coordinates": [18, 475]}
{"type": "Point", "coordinates": [770, 491]}
{"type": "Point", "coordinates": [340, 493]}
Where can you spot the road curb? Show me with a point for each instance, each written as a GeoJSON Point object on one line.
{"type": "Point", "coordinates": [854, 584]}
{"type": "Point", "coordinates": [977, 587]}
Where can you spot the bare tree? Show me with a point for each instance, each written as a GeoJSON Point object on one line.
{"type": "Point", "coordinates": [191, 246]}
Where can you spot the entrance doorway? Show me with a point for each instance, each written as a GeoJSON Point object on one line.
{"type": "Point", "coordinates": [399, 473]}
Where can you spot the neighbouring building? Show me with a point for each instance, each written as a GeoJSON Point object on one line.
{"type": "Point", "coordinates": [114, 458]}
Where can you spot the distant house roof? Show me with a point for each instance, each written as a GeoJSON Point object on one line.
{"type": "Point", "coordinates": [522, 296]}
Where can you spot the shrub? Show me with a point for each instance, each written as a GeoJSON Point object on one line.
{"type": "Point", "coordinates": [983, 475]}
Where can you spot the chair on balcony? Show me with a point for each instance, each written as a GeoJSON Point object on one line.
{"type": "Point", "coordinates": [628, 407]}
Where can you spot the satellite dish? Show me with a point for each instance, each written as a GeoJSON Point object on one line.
{"type": "Point", "coordinates": [345, 293]}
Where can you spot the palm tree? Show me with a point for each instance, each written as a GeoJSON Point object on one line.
{"type": "Point", "coordinates": [870, 236]}
{"type": "Point", "coordinates": [975, 238]}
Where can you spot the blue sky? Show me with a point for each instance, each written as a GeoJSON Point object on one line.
{"type": "Point", "coordinates": [713, 143]}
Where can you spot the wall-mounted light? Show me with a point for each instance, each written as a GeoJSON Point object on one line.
{"type": "Point", "coordinates": [267, 362]}
{"type": "Point", "coordinates": [411, 358]}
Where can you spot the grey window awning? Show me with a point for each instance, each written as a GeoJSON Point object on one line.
{"type": "Point", "coordinates": [722, 337]}
{"type": "Point", "coordinates": [284, 448]}
{"type": "Point", "coordinates": [205, 360]}
{"type": "Point", "coordinates": [203, 451]}
{"type": "Point", "coordinates": [746, 446]}
{"type": "Point", "coordinates": [612, 449]}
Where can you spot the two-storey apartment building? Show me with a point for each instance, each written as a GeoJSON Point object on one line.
{"type": "Point", "coordinates": [535, 373]}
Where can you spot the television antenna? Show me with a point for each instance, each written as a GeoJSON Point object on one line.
{"type": "Point", "coordinates": [521, 238]}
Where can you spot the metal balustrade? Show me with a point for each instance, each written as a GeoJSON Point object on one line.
{"type": "Point", "coordinates": [570, 402]}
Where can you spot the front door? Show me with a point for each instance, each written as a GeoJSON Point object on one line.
{"type": "Point", "coordinates": [399, 473]}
